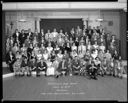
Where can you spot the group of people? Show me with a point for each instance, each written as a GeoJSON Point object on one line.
{"type": "Point", "coordinates": [88, 52]}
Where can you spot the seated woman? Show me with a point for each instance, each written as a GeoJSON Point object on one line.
{"type": "Point", "coordinates": [87, 55]}
{"type": "Point", "coordinates": [56, 65]}
{"type": "Point", "coordinates": [71, 41]}
{"type": "Point", "coordinates": [77, 42]}
{"type": "Point", "coordinates": [101, 55]}
{"type": "Point", "coordinates": [36, 49]}
{"type": "Point", "coordinates": [15, 48]}
{"type": "Point", "coordinates": [23, 48]}
{"type": "Point", "coordinates": [74, 47]}
{"type": "Point", "coordinates": [95, 46]}
{"type": "Point", "coordinates": [39, 55]}
{"type": "Point", "coordinates": [24, 66]}
{"type": "Point", "coordinates": [82, 49]}
{"type": "Point", "coordinates": [76, 66]}
{"type": "Point", "coordinates": [94, 54]}
{"type": "Point", "coordinates": [34, 41]}
{"type": "Point", "coordinates": [82, 40]}
{"type": "Point", "coordinates": [18, 55]}
{"type": "Point", "coordinates": [87, 40]}
{"type": "Point", "coordinates": [56, 49]}
{"type": "Point", "coordinates": [108, 55]}
{"type": "Point", "coordinates": [102, 47]}
{"type": "Point", "coordinates": [53, 56]}
{"type": "Point", "coordinates": [66, 55]}
{"type": "Point", "coordinates": [60, 40]}
{"type": "Point", "coordinates": [68, 48]}
{"type": "Point", "coordinates": [42, 48]}
{"type": "Point", "coordinates": [17, 67]}
{"type": "Point", "coordinates": [45, 55]}
{"type": "Point", "coordinates": [49, 48]}
{"type": "Point", "coordinates": [89, 46]}
{"type": "Point", "coordinates": [50, 69]}
{"type": "Point", "coordinates": [60, 56]}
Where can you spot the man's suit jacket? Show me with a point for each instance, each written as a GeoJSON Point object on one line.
{"type": "Point", "coordinates": [15, 36]}
{"type": "Point", "coordinates": [8, 58]}
{"type": "Point", "coordinates": [60, 65]}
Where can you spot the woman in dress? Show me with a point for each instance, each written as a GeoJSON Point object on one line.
{"type": "Point", "coordinates": [45, 55]}
{"type": "Point", "coordinates": [102, 47]}
{"type": "Point", "coordinates": [36, 49]}
{"type": "Point", "coordinates": [74, 54]}
{"type": "Point", "coordinates": [34, 41]}
{"type": "Point", "coordinates": [50, 68]}
{"type": "Point", "coordinates": [17, 67]}
{"type": "Point", "coordinates": [74, 47]}
{"type": "Point", "coordinates": [89, 46]}
{"type": "Point", "coordinates": [15, 48]}
{"type": "Point", "coordinates": [57, 49]}
{"type": "Point", "coordinates": [23, 49]}
{"type": "Point", "coordinates": [49, 48]}
{"type": "Point", "coordinates": [60, 56]}
{"type": "Point", "coordinates": [39, 56]}
{"type": "Point", "coordinates": [71, 41]}
{"type": "Point", "coordinates": [42, 48]}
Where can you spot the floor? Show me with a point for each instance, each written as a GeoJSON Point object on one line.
{"type": "Point", "coordinates": [64, 88]}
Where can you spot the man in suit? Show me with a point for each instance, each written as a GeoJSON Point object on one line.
{"type": "Point", "coordinates": [63, 65]}
{"type": "Point", "coordinates": [30, 34]}
{"type": "Point", "coordinates": [78, 32]}
{"type": "Point", "coordinates": [22, 37]}
{"type": "Point", "coordinates": [10, 59]}
{"type": "Point", "coordinates": [89, 32]}
{"type": "Point", "coordinates": [16, 35]}
{"type": "Point", "coordinates": [40, 35]}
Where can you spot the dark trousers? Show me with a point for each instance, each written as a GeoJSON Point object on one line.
{"type": "Point", "coordinates": [37, 71]}
{"type": "Point", "coordinates": [11, 66]}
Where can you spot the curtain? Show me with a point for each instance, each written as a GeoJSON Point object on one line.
{"type": "Point", "coordinates": [64, 24]}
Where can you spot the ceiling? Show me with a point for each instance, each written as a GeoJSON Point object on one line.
{"type": "Point", "coordinates": [121, 4]}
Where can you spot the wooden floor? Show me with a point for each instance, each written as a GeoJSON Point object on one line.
{"type": "Point", "coordinates": [64, 88]}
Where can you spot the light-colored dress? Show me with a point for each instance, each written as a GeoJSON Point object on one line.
{"type": "Point", "coordinates": [50, 69]}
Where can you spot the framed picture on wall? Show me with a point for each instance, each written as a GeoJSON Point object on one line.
{"type": "Point", "coordinates": [110, 23]}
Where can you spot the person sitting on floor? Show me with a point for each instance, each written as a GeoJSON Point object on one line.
{"type": "Point", "coordinates": [64, 67]}
{"type": "Point", "coordinates": [98, 66]}
{"type": "Point", "coordinates": [111, 67]}
{"type": "Point", "coordinates": [32, 64]}
{"type": "Point", "coordinates": [76, 66]}
{"type": "Point", "coordinates": [93, 71]}
{"type": "Point", "coordinates": [50, 69]}
{"type": "Point", "coordinates": [120, 68]}
{"type": "Point", "coordinates": [24, 66]}
{"type": "Point", "coordinates": [17, 67]}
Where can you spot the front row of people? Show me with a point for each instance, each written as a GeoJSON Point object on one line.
{"type": "Point", "coordinates": [72, 66]}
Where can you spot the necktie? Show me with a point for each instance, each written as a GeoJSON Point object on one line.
{"type": "Point", "coordinates": [63, 65]}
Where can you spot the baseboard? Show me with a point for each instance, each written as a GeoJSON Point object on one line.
{"type": "Point", "coordinates": [8, 75]}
